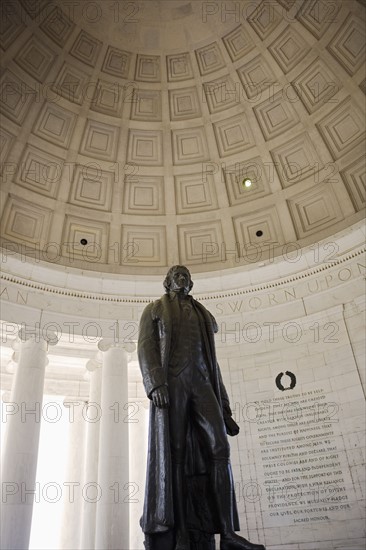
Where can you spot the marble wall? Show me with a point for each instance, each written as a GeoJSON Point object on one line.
{"type": "Point", "coordinates": [298, 460]}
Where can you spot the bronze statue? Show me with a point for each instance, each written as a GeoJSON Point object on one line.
{"type": "Point", "coordinates": [189, 486]}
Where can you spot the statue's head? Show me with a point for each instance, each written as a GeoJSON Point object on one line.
{"type": "Point", "coordinates": [178, 279]}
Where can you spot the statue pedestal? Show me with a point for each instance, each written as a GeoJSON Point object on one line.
{"type": "Point", "coordinates": [165, 541]}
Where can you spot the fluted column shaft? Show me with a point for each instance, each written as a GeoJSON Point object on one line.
{"type": "Point", "coordinates": [90, 481]}
{"type": "Point", "coordinates": [73, 497]}
{"type": "Point", "coordinates": [138, 436]}
{"type": "Point", "coordinates": [23, 415]}
{"type": "Point", "coordinates": [112, 526]}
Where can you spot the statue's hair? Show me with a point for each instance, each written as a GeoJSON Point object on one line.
{"type": "Point", "coordinates": [168, 278]}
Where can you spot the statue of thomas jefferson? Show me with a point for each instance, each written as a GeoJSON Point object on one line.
{"type": "Point", "coordinates": [189, 486]}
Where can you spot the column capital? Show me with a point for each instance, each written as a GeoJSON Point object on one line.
{"type": "Point", "coordinates": [93, 364]}
{"type": "Point", "coordinates": [107, 343]}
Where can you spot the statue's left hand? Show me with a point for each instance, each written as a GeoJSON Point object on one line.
{"type": "Point", "coordinates": [160, 397]}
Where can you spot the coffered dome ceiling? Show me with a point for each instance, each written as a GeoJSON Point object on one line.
{"type": "Point", "coordinates": [129, 127]}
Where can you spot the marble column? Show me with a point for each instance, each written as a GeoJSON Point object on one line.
{"type": "Point", "coordinates": [74, 491]}
{"type": "Point", "coordinates": [112, 526]}
{"type": "Point", "coordinates": [138, 436]}
{"type": "Point", "coordinates": [90, 480]}
{"type": "Point", "coordinates": [23, 414]}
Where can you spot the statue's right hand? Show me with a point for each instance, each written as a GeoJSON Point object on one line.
{"type": "Point", "coordinates": [160, 397]}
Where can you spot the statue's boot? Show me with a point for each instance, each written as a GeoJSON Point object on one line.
{"type": "Point", "coordinates": [235, 542]}
{"type": "Point", "coordinates": [180, 524]}
{"type": "Point", "coordinates": [222, 484]}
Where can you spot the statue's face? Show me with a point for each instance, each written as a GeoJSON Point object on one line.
{"type": "Point", "coordinates": [180, 280]}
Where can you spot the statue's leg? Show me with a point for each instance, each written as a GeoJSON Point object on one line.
{"type": "Point", "coordinates": [209, 418]}
{"type": "Point", "coordinates": [178, 421]}
{"type": "Point", "coordinates": [179, 496]}
{"type": "Point", "coordinates": [222, 485]}
{"type": "Point", "coordinates": [202, 541]}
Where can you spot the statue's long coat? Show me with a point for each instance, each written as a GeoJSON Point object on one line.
{"type": "Point", "coordinates": [154, 345]}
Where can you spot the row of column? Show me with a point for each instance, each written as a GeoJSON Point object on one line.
{"type": "Point", "coordinates": [98, 458]}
